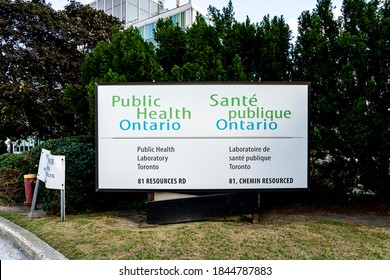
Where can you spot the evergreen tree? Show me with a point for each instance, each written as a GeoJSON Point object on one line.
{"type": "Point", "coordinates": [171, 45]}
{"type": "Point", "coordinates": [125, 58]}
{"type": "Point", "coordinates": [347, 62]}
{"type": "Point", "coordinates": [272, 60]}
{"type": "Point", "coordinates": [202, 59]}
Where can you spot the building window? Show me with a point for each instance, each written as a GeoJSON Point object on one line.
{"type": "Point", "coordinates": [183, 20]}
{"type": "Point", "coordinates": [143, 14]}
{"type": "Point", "coordinates": [149, 30]}
{"type": "Point", "coordinates": [179, 19]}
{"type": "Point", "coordinates": [117, 11]}
{"type": "Point", "coordinates": [132, 13]}
{"type": "Point", "coordinates": [142, 31]}
{"type": "Point", "coordinates": [151, 40]}
{"type": "Point", "coordinates": [93, 5]}
{"type": "Point", "coordinates": [175, 19]}
{"type": "Point", "coordinates": [101, 5]}
{"type": "Point", "coordinates": [108, 5]}
{"type": "Point", "coordinates": [124, 10]}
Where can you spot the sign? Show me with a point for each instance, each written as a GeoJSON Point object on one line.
{"type": "Point", "coordinates": [42, 168]}
{"type": "Point", "coordinates": [202, 136]}
{"type": "Point", "coordinates": [55, 175]}
{"type": "Point", "coordinates": [51, 171]}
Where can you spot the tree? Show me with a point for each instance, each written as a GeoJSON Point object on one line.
{"type": "Point", "coordinates": [346, 60]}
{"type": "Point", "coordinates": [171, 45]}
{"type": "Point", "coordinates": [364, 84]}
{"type": "Point", "coordinates": [41, 53]}
{"type": "Point", "coordinates": [224, 23]}
{"type": "Point", "coordinates": [202, 59]}
{"type": "Point", "coordinates": [273, 61]}
{"type": "Point", "coordinates": [244, 46]}
{"type": "Point", "coordinates": [125, 58]}
{"type": "Point", "coordinates": [264, 48]}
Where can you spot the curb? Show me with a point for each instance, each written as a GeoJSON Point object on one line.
{"type": "Point", "coordinates": [32, 245]}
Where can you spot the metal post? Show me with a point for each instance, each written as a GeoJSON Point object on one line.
{"type": "Point", "coordinates": [256, 216]}
{"type": "Point", "coordinates": [150, 196]}
{"type": "Point", "coordinates": [34, 201]}
{"type": "Point", "coordinates": [63, 205]}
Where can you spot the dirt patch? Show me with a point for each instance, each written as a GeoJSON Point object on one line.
{"type": "Point", "coordinates": [372, 217]}
{"type": "Point", "coordinates": [291, 214]}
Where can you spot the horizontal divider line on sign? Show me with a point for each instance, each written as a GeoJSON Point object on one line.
{"type": "Point", "coordinates": [121, 138]}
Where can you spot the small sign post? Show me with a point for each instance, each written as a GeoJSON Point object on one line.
{"type": "Point", "coordinates": [55, 178]}
{"type": "Point", "coordinates": [41, 176]}
{"type": "Point", "coordinates": [51, 171]}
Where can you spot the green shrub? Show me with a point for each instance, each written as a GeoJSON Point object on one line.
{"type": "Point", "coordinates": [11, 186]}
{"type": "Point", "coordinates": [12, 168]}
{"type": "Point", "coordinates": [81, 196]}
{"type": "Point", "coordinates": [79, 155]}
{"type": "Point", "coordinates": [3, 147]}
{"type": "Point", "coordinates": [21, 162]}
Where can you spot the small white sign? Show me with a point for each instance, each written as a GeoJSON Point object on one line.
{"type": "Point", "coordinates": [42, 168]}
{"type": "Point", "coordinates": [55, 174]}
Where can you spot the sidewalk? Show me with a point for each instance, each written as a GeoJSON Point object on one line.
{"type": "Point", "coordinates": [28, 242]}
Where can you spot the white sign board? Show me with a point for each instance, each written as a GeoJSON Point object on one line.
{"type": "Point", "coordinates": [202, 136]}
{"type": "Point", "coordinates": [51, 170]}
{"type": "Point", "coordinates": [42, 168]}
{"type": "Point", "coordinates": [55, 175]}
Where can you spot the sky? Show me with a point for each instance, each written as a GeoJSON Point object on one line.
{"type": "Point", "coordinates": [255, 9]}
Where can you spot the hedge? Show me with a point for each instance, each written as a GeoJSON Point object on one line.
{"type": "Point", "coordinates": [81, 196]}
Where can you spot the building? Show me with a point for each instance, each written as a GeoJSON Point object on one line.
{"type": "Point", "coordinates": [20, 146]}
{"type": "Point", "coordinates": [144, 14]}
{"type": "Point", "coordinates": [130, 11]}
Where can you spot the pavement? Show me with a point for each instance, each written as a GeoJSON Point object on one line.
{"type": "Point", "coordinates": [9, 251]}
{"type": "Point", "coordinates": [30, 244]}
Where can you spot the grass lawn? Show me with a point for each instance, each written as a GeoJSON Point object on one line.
{"type": "Point", "coordinates": [279, 236]}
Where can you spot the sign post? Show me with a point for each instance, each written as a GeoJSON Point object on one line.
{"type": "Point", "coordinates": [34, 201]}
{"type": "Point", "coordinates": [55, 178]}
{"type": "Point", "coordinates": [51, 171]}
{"type": "Point", "coordinates": [41, 176]}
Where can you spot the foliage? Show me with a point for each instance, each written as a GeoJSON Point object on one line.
{"type": "Point", "coordinates": [81, 196]}
{"type": "Point", "coordinates": [225, 50]}
{"type": "Point", "coordinates": [3, 147]}
{"type": "Point", "coordinates": [189, 55]}
{"type": "Point", "coordinates": [347, 61]}
{"type": "Point", "coordinates": [263, 48]}
{"type": "Point", "coordinates": [171, 45]}
{"type": "Point", "coordinates": [79, 173]}
{"type": "Point", "coordinates": [20, 162]}
{"type": "Point", "coordinates": [50, 62]}
{"type": "Point", "coordinates": [203, 52]}
{"type": "Point", "coordinates": [125, 58]}
{"type": "Point", "coordinates": [41, 53]}
{"type": "Point", "coordinates": [12, 169]}
{"type": "Point", "coordinates": [273, 43]}
{"type": "Point", "coordinates": [11, 189]}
